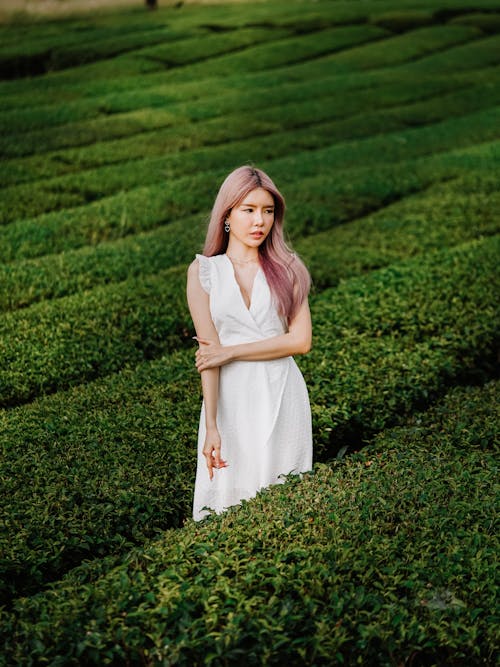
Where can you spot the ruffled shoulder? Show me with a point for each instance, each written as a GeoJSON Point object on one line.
{"type": "Point", "coordinates": [205, 272]}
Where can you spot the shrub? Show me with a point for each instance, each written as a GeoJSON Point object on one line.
{"type": "Point", "coordinates": [425, 221]}
{"type": "Point", "coordinates": [403, 20]}
{"type": "Point", "coordinates": [487, 22]}
{"type": "Point", "coordinates": [67, 50]}
{"type": "Point", "coordinates": [390, 341]}
{"type": "Point", "coordinates": [54, 276]}
{"type": "Point", "coordinates": [383, 557]}
{"type": "Point", "coordinates": [404, 48]}
{"type": "Point", "coordinates": [478, 53]}
{"type": "Point", "coordinates": [355, 94]}
{"type": "Point", "coordinates": [59, 343]}
{"type": "Point", "coordinates": [109, 464]}
{"type": "Point", "coordinates": [383, 346]}
{"type": "Point", "coordinates": [188, 194]}
{"type": "Point", "coordinates": [429, 220]}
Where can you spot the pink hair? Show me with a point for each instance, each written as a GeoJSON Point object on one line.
{"type": "Point", "coordinates": [286, 275]}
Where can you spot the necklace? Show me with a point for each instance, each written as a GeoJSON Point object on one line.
{"type": "Point", "coordinates": [242, 261]}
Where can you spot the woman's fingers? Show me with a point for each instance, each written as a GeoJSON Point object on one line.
{"type": "Point", "coordinates": [214, 461]}
{"type": "Point", "coordinates": [219, 463]}
{"type": "Point", "coordinates": [210, 466]}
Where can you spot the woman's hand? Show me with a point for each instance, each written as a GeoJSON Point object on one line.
{"type": "Point", "coordinates": [210, 355]}
{"type": "Point", "coordinates": [211, 451]}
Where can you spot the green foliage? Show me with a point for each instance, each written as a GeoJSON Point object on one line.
{"type": "Point", "coordinates": [58, 343]}
{"type": "Point", "coordinates": [45, 55]}
{"type": "Point", "coordinates": [382, 347]}
{"type": "Point", "coordinates": [382, 556]}
{"type": "Point", "coordinates": [74, 190]}
{"type": "Point", "coordinates": [378, 120]}
{"type": "Point", "coordinates": [359, 96]}
{"type": "Point", "coordinates": [403, 20]}
{"type": "Point", "coordinates": [385, 345]}
{"type": "Point", "coordinates": [487, 22]}
{"type": "Point", "coordinates": [425, 221]}
{"type": "Point", "coordinates": [109, 464]}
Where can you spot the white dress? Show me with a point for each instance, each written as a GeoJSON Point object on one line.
{"type": "Point", "coordinates": [263, 412]}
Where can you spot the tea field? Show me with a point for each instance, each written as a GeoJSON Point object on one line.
{"type": "Point", "coordinates": [380, 122]}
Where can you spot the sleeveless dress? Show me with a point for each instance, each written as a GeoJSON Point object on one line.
{"type": "Point", "coordinates": [263, 412]}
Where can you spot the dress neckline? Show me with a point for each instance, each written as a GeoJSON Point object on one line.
{"type": "Point", "coordinates": [249, 307]}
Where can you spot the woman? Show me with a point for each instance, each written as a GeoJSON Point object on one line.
{"type": "Point", "coordinates": [247, 295]}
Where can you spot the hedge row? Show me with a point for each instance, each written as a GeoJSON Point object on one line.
{"type": "Point", "coordinates": [231, 94]}
{"type": "Point", "coordinates": [419, 223]}
{"type": "Point", "coordinates": [429, 220]}
{"type": "Point", "coordinates": [85, 132]}
{"type": "Point", "coordinates": [405, 48]}
{"type": "Point", "coordinates": [75, 50]}
{"type": "Point", "coordinates": [407, 330]}
{"type": "Point", "coordinates": [92, 80]}
{"type": "Point", "coordinates": [483, 52]}
{"type": "Point", "coordinates": [487, 22]}
{"type": "Point", "coordinates": [126, 72]}
{"type": "Point", "coordinates": [385, 557]}
{"type": "Point", "coordinates": [143, 209]}
{"type": "Point", "coordinates": [283, 52]}
{"type": "Point", "coordinates": [391, 50]}
{"type": "Point", "coordinates": [80, 41]}
{"type": "Point", "coordinates": [356, 193]}
{"type": "Point", "coordinates": [357, 97]}
{"type": "Point", "coordinates": [109, 464]}
{"type": "Point", "coordinates": [30, 199]}
{"type": "Point", "coordinates": [53, 276]}
{"type": "Point", "coordinates": [383, 345]}
{"type": "Point", "coordinates": [59, 343]}
{"type": "Point", "coordinates": [64, 49]}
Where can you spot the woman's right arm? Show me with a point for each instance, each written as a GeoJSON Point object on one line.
{"type": "Point", "coordinates": [198, 302]}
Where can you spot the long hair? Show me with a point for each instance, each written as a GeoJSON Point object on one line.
{"type": "Point", "coordinates": [286, 275]}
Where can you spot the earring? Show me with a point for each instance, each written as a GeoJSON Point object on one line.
{"type": "Point", "coordinates": [226, 226]}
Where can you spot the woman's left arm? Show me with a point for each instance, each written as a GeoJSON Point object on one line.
{"type": "Point", "coordinates": [296, 341]}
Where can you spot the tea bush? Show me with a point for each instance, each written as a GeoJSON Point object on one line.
{"type": "Point", "coordinates": [378, 120]}
{"type": "Point", "coordinates": [110, 463]}
{"type": "Point", "coordinates": [373, 363]}
{"type": "Point", "coordinates": [231, 98]}
{"type": "Point", "coordinates": [428, 220]}
{"type": "Point", "coordinates": [58, 343]}
{"type": "Point", "coordinates": [26, 200]}
{"type": "Point", "coordinates": [343, 563]}
{"type": "Point", "coordinates": [366, 243]}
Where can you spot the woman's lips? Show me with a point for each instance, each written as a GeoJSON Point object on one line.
{"type": "Point", "coordinates": [257, 235]}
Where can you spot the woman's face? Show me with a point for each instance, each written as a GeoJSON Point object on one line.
{"type": "Point", "coordinates": [251, 220]}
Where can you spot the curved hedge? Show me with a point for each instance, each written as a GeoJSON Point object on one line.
{"type": "Point", "coordinates": [384, 557]}
{"type": "Point", "coordinates": [425, 221]}
{"type": "Point", "coordinates": [382, 347]}
{"type": "Point", "coordinates": [429, 220]}
{"type": "Point", "coordinates": [393, 327]}
{"type": "Point", "coordinates": [357, 94]}
{"type": "Point", "coordinates": [59, 343]}
{"type": "Point", "coordinates": [335, 179]}
{"type": "Point", "coordinates": [440, 131]}
{"type": "Point", "coordinates": [109, 464]}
